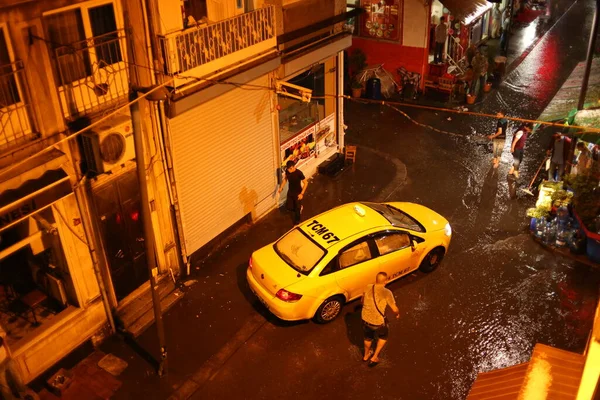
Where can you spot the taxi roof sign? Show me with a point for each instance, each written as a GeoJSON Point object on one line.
{"type": "Point", "coordinates": [359, 210]}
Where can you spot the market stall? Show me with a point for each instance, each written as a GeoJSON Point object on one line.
{"type": "Point", "coordinates": [567, 213]}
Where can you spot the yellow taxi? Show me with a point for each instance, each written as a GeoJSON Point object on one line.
{"type": "Point", "coordinates": [326, 261]}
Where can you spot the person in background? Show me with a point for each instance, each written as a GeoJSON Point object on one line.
{"type": "Point", "coordinates": [517, 147]}
{"type": "Point", "coordinates": [480, 68]}
{"type": "Point", "coordinates": [441, 34]}
{"type": "Point", "coordinates": [584, 159]}
{"type": "Point", "coordinates": [470, 53]}
{"type": "Point", "coordinates": [499, 137]}
{"type": "Point", "coordinates": [375, 299]}
{"type": "Point", "coordinates": [504, 35]}
{"type": "Point", "coordinates": [10, 377]}
{"type": "Point", "coordinates": [496, 21]}
{"type": "Point", "coordinates": [296, 189]}
{"type": "Point", "coordinates": [559, 151]}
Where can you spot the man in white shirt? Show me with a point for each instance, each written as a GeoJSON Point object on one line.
{"type": "Point", "coordinates": [375, 300]}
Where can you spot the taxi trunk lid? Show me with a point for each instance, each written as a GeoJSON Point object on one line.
{"type": "Point", "coordinates": [271, 272]}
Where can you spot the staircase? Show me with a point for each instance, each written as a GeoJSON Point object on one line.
{"type": "Point", "coordinates": [500, 384]}
{"type": "Point", "coordinates": [136, 315]}
{"type": "Point", "coordinates": [557, 372]}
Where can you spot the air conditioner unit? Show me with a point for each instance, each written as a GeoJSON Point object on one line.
{"type": "Point", "coordinates": [109, 145]}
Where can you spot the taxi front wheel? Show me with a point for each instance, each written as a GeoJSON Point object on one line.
{"type": "Point", "coordinates": [432, 260]}
{"type": "Point", "coordinates": [329, 310]}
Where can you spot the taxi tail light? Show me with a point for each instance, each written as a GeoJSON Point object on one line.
{"type": "Point", "coordinates": [289, 297]}
{"type": "Point", "coordinates": [250, 263]}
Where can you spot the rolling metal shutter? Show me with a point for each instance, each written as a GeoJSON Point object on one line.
{"type": "Point", "coordinates": [224, 162]}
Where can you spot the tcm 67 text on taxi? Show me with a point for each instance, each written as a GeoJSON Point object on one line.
{"type": "Point", "coordinates": [326, 261]}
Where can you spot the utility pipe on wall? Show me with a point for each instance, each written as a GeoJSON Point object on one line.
{"type": "Point", "coordinates": [590, 57]}
{"type": "Point", "coordinates": [149, 241]}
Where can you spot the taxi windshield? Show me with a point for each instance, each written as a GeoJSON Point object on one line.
{"type": "Point", "coordinates": [396, 217]}
{"type": "Point", "coordinates": [300, 252]}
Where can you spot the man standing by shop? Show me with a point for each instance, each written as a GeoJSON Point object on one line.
{"type": "Point", "coordinates": [518, 147]}
{"type": "Point", "coordinates": [375, 299]}
{"type": "Point", "coordinates": [296, 189]}
{"type": "Point", "coordinates": [499, 138]}
{"type": "Point", "coordinates": [480, 67]}
{"type": "Point", "coordinates": [441, 34]}
{"type": "Point", "coordinates": [559, 150]}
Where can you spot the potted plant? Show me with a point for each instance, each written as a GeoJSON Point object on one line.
{"type": "Point", "coordinates": [356, 88]}
{"type": "Point", "coordinates": [357, 61]}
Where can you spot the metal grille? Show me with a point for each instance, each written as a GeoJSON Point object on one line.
{"type": "Point", "coordinates": [196, 47]}
{"type": "Point", "coordinates": [92, 74]}
{"type": "Point", "coordinates": [16, 125]}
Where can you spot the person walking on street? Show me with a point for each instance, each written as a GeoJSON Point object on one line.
{"type": "Point", "coordinates": [499, 138]}
{"type": "Point", "coordinates": [296, 189]}
{"type": "Point", "coordinates": [518, 147]}
{"type": "Point", "coordinates": [441, 34]}
{"type": "Point", "coordinates": [480, 68]}
{"type": "Point", "coordinates": [559, 151]}
{"type": "Point", "coordinates": [375, 299]}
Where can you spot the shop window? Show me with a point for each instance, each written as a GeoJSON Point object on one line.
{"type": "Point", "coordinates": [295, 116]}
{"type": "Point", "coordinates": [83, 39]}
{"type": "Point", "coordinates": [35, 283]}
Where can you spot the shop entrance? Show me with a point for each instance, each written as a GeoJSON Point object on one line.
{"type": "Point", "coordinates": [35, 282]}
{"type": "Point", "coordinates": [120, 221]}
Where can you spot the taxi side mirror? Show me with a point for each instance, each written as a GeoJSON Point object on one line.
{"type": "Point", "coordinates": [413, 244]}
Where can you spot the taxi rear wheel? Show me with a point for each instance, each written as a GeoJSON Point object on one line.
{"type": "Point", "coordinates": [432, 260]}
{"type": "Point", "coordinates": [329, 310]}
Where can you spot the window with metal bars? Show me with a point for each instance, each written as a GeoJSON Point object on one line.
{"type": "Point", "coordinates": [9, 91]}
{"type": "Point", "coordinates": [83, 40]}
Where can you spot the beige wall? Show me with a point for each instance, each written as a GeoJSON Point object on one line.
{"type": "Point", "coordinates": [415, 24]}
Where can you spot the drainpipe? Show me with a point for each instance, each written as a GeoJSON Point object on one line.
{"type": "Point", "coordinates": [91, 234]}
{"type": "Point", "coordinates": [149, 240]}
{"type": "Point", "coordinates": [590, 57]}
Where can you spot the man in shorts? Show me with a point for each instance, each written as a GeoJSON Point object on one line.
{"type": "Point", "coordinates": [375, 299]}
{"type": "Point", "coordinates": [499, 138]}
{"type": "Point", "coordinates": [518, 147]}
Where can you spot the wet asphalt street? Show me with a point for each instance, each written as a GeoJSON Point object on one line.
{"type": "Point", "coordinates": [495, 296]}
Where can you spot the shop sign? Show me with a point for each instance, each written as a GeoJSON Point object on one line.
{"type": "Point", "coordinates": [20, 209]}
{"type": "Point", "coordinates": [382, 19]}
{"type": "Point", "coordinates": [303, 146]}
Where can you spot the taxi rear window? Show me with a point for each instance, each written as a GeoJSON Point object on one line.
{"type": "Point", "coordinates": [299, 251]}
{"type": "Point", "coordinates": [397, 217]}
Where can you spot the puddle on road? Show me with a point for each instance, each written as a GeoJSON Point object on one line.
{"type": "Point", "coordinates": [519, 295]}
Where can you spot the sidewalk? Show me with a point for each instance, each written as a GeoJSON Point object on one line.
{"type": "Point", "coordinates": [218, 312]}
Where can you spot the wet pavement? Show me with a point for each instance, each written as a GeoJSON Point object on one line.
{"type": "Point", "coordinates": [496, 295]}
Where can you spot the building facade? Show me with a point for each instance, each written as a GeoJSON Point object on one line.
{"type": "Point", "coordinates": [71, 247]}
{"type": "Point", "coordinates": [232, 120]}
{"type": "Point", "coordinates": [247, 85]}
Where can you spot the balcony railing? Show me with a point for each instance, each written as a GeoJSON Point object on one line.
{"type": "Point", "coordinates": [92, 74]}
{"type": "Point", "coordinates": [16, 126]}
{"type": "Point", "coordinates": [205, 49]}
